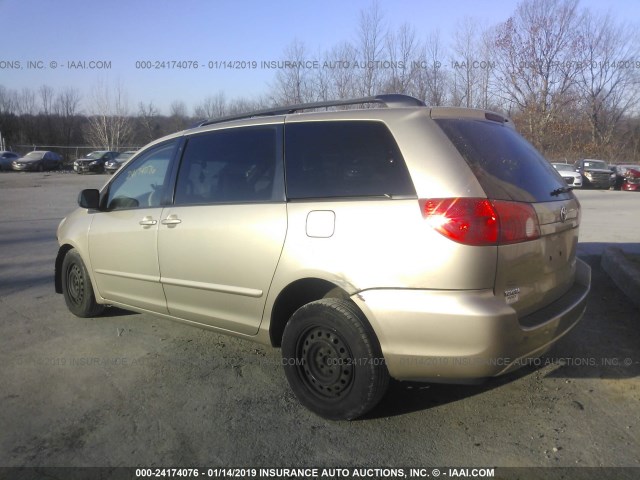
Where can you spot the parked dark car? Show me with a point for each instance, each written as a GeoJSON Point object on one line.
{"type": "Point", "coordinates": [595, 173]}
{"type": "Point", "coordinates": [112, 166]}
{"type": "Point", "coordinates": [6, 159]}
{"type": "Point", "coordinates": [94, 161]}
{"type": "Point", "coordinates": [626, 177]}
{"type": "Point", "coordinates": [39, 160]}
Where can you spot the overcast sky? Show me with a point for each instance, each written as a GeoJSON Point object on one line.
{"type": "Point", "coordinates": [118, 33]}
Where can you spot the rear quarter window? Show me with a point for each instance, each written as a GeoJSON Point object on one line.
{"type": "Point", "coordinates": [344, 159]}
{"type": "Point", "coordinates": [505, 164]}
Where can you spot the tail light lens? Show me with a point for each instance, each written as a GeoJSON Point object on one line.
{"type": "Point", "coordinates": [480, 221]}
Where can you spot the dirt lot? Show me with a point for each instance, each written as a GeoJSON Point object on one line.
{"type": "Point", "coordinates": [133, 390]}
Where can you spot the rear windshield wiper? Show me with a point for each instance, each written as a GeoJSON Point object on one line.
{"type": "Point", "coordinates": [560, 190]}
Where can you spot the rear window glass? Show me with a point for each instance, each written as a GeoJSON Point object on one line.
{"type": "Point", "coordinates": [506, 165]}
{"type": "Point", "coordinates": [344, 159]}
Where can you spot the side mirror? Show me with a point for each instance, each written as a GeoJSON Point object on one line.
{"type": "Point", "coordinates": [89, 198]}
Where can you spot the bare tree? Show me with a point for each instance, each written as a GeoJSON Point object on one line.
{"type": "Point", "coordinates": [26, 102]}
{"type": "Point", "coordinates": [46, 99]}
{"type": "Point", "coordinates": [66, 107]}
{"type": "Point", "coordinates": [486, 97]}
{"type": "Point", "coordinates": [8, 101]}
{"type": "Point", "coordinates": [47, 127]}
{"type": "Point", "coordinates": [371, 33]}
{"type": "Point", "coordinates": [178, 115]}
{"type": "Point", "coordinates": [27, 110]}
{"type": "Point", "coordinates": [147, 119]}
{"type": "Point", "coordinates": [536, 51]}
{"type": "Point", "coordinates": [243, 105]}
{"type": "Point", "coordinates": [110, 125]}
{"type": "Point", "coordinates": [294, 82]}
{"type": "Point", "coordinates": [322, 79]}
{"type": "Point", "coordinates": [214, 106]}
{"type": "Point", "coordinates": [339, 62]}
{"type": "Point", "coordinates": [608, 87]}
{"type": "Point", "coordinates": [402, 49]}
{"type": "Point", "coordinates": [9, 123]}
{"type": "Point", "coordinates": [472, 66]}
{"type": "Point", "coordinates": [431, 78]}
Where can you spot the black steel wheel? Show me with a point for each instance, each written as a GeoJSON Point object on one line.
{"type": "Point", "coordinates": [77, 288]}
{"type": "Point", "coordinates": [332, 359]}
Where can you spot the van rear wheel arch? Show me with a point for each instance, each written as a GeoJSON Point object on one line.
{"type": "Point", "coordinates": [296, 295]}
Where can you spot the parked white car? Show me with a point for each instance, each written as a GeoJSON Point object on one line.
{"type": "Point", "coordinates": [569, 173]}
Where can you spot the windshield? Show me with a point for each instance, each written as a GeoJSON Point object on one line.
{"type": "Point", "coordinates": [563, 167]}
{"type": "Point", "coordinates": [595, 164]}
{"type": "Point", "coordinates": [34, 155]}
{"type": "Point", "coordinates": [95, 155]}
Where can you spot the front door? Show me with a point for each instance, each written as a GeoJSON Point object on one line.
{"type": "Point", "coordinates": [123, 238]}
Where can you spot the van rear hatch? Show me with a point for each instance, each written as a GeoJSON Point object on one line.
{"type": "Point", "coordinates": [530, 273]}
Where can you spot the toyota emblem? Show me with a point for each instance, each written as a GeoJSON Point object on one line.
{"type": "Point", "coordinates": [563, 214]}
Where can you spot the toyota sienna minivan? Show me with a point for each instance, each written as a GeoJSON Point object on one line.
{"type": "Point", "coordinates": [422, 244]}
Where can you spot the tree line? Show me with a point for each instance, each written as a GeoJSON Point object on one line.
{"type": "Point", "coordinates": [568, 77]}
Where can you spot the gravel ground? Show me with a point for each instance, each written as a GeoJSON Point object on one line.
{"type": "Point", "coordinates": [134, 390]}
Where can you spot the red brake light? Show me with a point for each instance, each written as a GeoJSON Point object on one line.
{"type": "Point", "coordinates": [518, 222]}
{"type": "Point", "coordinates": [479, 221]}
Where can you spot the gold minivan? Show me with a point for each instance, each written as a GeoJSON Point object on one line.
{"type": "Point", "coordinates": [423, 244]}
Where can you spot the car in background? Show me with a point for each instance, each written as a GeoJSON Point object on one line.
{"type": "Point", "coordinates": [39, 160]}
{"type": "Point", "coordinates": [568, 172]}
{"type": "Point", "coordinates": [6, 159]}
{"type": "Point", "coordinates": [626, 177]}
{"type": "Point", "coordinates": [112, 166]}
{"type": "Point", "coordinates": [632, 180]}
{"type": "Point", "coordinates": [94, 161]}
{"type": "Point", "coordinates": [595, 173]}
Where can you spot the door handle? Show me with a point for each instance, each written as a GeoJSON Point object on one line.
{"type": "Point", "coordinates": [171, 220]}
{"type": "Point", "coordinates": [147, 222]}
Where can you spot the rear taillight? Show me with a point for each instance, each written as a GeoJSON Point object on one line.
{"type": "Point", "coordinates": [479, 221]}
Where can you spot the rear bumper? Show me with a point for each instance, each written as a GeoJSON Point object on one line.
{"type": "Point", "coordinates": [462, 336]}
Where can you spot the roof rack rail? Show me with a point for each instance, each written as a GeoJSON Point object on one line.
{"type": "Point", "coordinates": [390, 101]}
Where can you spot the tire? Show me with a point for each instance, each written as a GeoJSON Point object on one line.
{"type": "Point", "coordinates": [41, 168]}
{"type": "Point", "coordinates": [77, 288]}
{"type": "Point", "coordinates": [333, 361]}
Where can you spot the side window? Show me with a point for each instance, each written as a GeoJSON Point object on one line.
{"type": "Point", "coordinates": [343, 159]}
{"type": "Point", "coordinates": [235, 165]}
{"type": "Point", "coordinates": [142, 183]}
